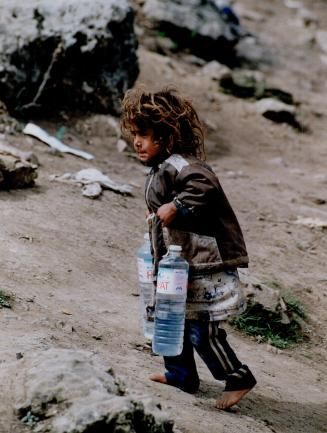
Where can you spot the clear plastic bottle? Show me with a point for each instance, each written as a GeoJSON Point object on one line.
{"type": "Point", "coordinates": [170, 303]}
{"type": "Point", "coordinates": [146, 287]}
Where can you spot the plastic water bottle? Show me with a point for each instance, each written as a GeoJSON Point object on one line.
{"type": "Point", "coordinates": [146, 287]}
{"type": "Point", "coordinates": [170, 303]}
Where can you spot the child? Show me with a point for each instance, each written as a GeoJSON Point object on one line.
{"type": "Point", "coordinates": [188, 207]}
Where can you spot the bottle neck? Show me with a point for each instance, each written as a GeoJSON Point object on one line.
{"type": "Point", "coordinates": [174, 253]}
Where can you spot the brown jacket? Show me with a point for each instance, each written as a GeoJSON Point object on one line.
{"type": "Point", "coordinates": [205, 226]}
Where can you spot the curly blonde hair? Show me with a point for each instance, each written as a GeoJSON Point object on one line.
{"type": "Point", "coordinates": [169, 117]}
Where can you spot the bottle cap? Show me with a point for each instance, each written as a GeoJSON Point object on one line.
{"type": "Point", "coordinates": [146, 236]}
{"type": "Point", "coordinates": [176, 248]}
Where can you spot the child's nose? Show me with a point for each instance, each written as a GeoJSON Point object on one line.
{"type": "Point", "coordinates": [137, 142]}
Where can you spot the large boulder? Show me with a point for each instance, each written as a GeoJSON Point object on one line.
{"type": "Point", "coordinates": [207, 29]}
{"type": "Point", "coordinates": [16, 172]}
{"type": "Point", "coordinates": [69, 391]}
{"type": "Point", "coordinates": [67, 54]}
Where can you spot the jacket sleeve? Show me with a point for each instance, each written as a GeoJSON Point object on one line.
{"type": "Point", "coordinates": [195, 190]}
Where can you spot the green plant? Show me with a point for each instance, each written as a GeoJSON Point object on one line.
{"type": "Point", "coordinates": [271, 326]}
{"type": "Point", "coordinates": [274, 284]}
{"type": "Point", "coordinates": [5, 299]}
{"type": "Point", "coordinates": [30, 419]}
{"type": "Point", "coordinates": [295, 306]}
{"type": "Point", "coordinates": [160, 34]}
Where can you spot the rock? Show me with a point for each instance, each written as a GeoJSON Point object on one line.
{"type": "Point", "coordinates": [16, 172]}
{"type": "Point", "coordinates": [67, 391]}
{"type": "Point", "coordinates": [26, 156]}
{"type": "Point", "coordinates": [8, 124]}
{"type": "Point", "coordinates": [278, 112]}
{"type": "Point", "coordinates": [93, 190]}
{"type": "Point", "coordinates": [259, 292]}
{"type": "Point", "coordinates": [66, 54]}
{"type": "Point", "coordinates": [199, 25]}
{"type": "Point", "coordinates": [194, 60]}
{"type": "Point", "coordinates": [273, 349]}
{"type": "Point", "coordinates": [251, 84]}
{"type": "Point", "coordinates": [214, 70]}
{"type": "Point", "coordinates": [250, 51]}
{"type": "Point", "coordinates": [307, 17]}
{"type": "Point", "coordinates": [98, 125]}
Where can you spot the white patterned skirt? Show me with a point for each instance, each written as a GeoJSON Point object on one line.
{"type": "Point", "coordinates": [213, 297]}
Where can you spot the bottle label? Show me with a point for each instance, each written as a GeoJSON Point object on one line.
{"type": "Point", "coordinates": [145, 270]}
{"type": "Point", "coordinates": [172, 281]}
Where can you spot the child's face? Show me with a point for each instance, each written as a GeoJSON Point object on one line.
{"type": "Point", "coordinates": [147, 149]}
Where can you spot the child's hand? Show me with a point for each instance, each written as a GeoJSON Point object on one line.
{"type": "Point", "coordinates": [166, 213]}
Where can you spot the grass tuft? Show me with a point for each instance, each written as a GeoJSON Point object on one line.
{"type": "Point", "coordinates": [282, 328]}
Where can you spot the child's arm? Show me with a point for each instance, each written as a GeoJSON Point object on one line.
{"type": "Point", "coordinates": [167, 213]}
{"type": "Point", "coordinates": [195, 185]}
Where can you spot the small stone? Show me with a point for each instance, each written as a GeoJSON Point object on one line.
{"type": "Point", "coordinates": [68, 313]}
{"type": "Point", "coordinates": [320, 178]}
{"type": "Point", "coordinates": [214, 70]}
{"type": "Point", "coordinates": [92, 190]}
{"type": "Point", "coordinates": [270, 104]}
{"type": "Point", "coordinates": [278, 161]}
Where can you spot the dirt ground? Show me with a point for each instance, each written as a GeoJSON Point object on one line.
{"type": "Point", "coordinates": [70, 261]}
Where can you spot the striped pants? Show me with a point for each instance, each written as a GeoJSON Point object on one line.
{"type": "Point", "coordinates": [210, 343]}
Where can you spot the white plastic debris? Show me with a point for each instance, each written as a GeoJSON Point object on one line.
{"type": "Point", "coordinates": [312, 222]}
{"type": "Point", "coordinates": [93, 182]}
{"type": "Point", "coordinates": [91, 175]}
{"type": "Point", "coordinates": [66, 177]}
{"type": "Point", "coordinates": [42, 135]}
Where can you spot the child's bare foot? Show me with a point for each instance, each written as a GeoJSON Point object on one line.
{"type": "Point", "coordinates": [158, 378]}
{"type": "Point", "coordinates": [229, 398]}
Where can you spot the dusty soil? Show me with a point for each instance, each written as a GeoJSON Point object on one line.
{"type": "Point", "coordinates": [70, 261]}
